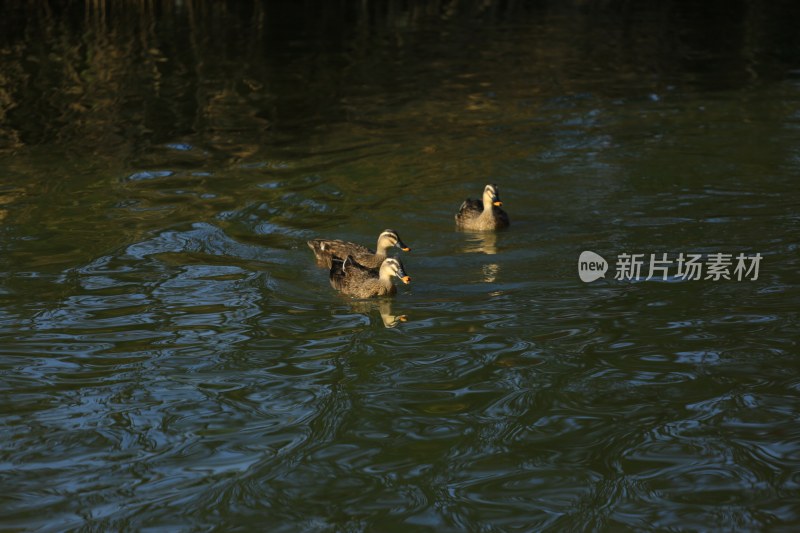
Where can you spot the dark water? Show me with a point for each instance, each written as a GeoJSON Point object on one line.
{"type": "Point", "coordinates": [172, 360]}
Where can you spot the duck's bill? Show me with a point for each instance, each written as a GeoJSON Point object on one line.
{"type": "Point", "coordinates": [406, 279]}
{"type": "Point", "coordinates": [498, 203]}
{"type": "Point", "coordinates": [403, 246]}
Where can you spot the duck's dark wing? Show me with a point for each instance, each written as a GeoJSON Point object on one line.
{"type": "Point", "coordinates": [469, 209]}
{"type": "Point", "coordinates": [346, 273]}
{"type": "Point", "coordinates": [325, 250]}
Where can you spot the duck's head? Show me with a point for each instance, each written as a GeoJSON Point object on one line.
{"type": "Point", "coordinates": [389, 238]}
{"type": "Point", "coordinates": [393, 267]}
{"type": "Point", "coordinates": [491, 196]}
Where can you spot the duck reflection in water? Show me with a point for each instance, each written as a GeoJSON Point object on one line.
{"type": "Point", "coordinates": [490, 272]}
{"type": "Point", "coordinates": [383, 306]}
{"type": "Point", "coordinates": [483, 242]}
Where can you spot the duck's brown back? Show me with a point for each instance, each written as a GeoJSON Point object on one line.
{"type": "Point", "coordinates": [355, 280]}
{"type": "Point", "coordinates": [469, 211]}
{"type": "Point", "coordinates": [325, 250]}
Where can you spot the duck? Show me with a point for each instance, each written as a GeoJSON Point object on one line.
{"type": "Point", "coordinates": [353, 279]}
{"type": "Point", "coordinates": [325, 250]}
{"type": "Point", "coordinates": [483, 215]}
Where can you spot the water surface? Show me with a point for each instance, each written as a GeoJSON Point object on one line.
{"type": "Point", "coordinates": [172, 359]}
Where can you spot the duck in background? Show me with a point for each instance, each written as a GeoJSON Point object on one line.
{"type": "Point", "coordinates": [483, 215]}
{"type": "Point", "coordinates": [326, 250]}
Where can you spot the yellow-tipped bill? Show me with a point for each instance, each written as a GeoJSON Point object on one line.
{"type": "Point", "coordinates": [406, 279]}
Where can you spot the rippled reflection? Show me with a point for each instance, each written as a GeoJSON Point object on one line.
{"type": "Point", "coordinates": [384, 307]}
{"type": "Point", "coordinates": [490, 272]}
{"type": "Point", "coordinates": [484, 242]}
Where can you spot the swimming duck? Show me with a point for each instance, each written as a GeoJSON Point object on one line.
{"type": "Point", "coordinates": [483, 214]}
{"type": "Point", "coordinates": [326, 249]}
{"type": "Point", "coordinates": [353, 279]}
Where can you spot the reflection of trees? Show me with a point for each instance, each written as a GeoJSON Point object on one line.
{"type": "Point", "coordinates": [120, 74]}
{"type": "Point", "coordinates": [132, 73]}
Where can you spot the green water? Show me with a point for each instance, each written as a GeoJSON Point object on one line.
{"type": "Point", "coordinates": [171, 359]}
